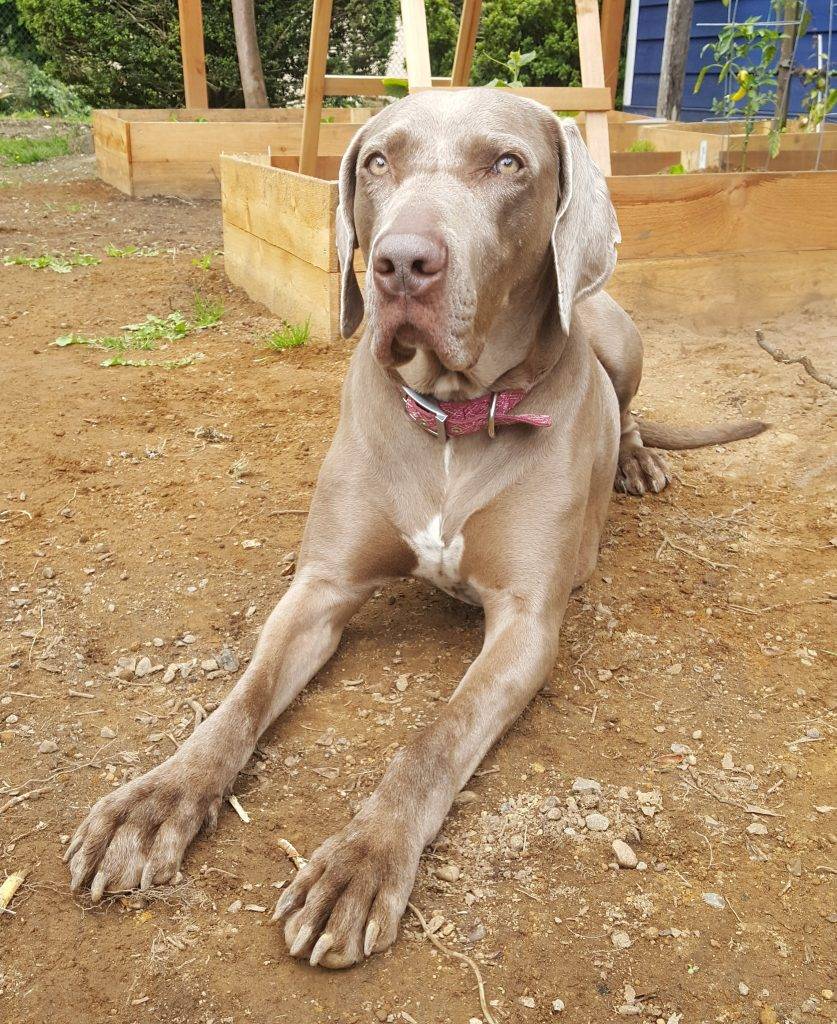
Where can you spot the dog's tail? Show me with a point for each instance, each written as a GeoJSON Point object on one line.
{"type": "Point", "coordinates": [671, 439]}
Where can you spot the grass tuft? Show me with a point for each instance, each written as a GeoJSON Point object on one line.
{"type": "Point", "coordinates": [32, 151]}
{"type": "Point", "coordinates": [289, 336]}
{"type": "Point", "coordinates": [59, 262]}
{"type": "Point", "coordinates": [642, 146]}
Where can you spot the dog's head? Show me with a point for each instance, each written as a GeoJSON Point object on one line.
{"type": "Point", "coordinates": [464, 205]}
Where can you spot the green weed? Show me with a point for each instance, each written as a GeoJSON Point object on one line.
{"type": "Point", "coordinates": [290, 336]}
{"type": "Point", "coordinates": [642, 146]}
{"type": "Point", "coordinates": [59, 262]}
{"type": "Point", "coordinates": [165, 364]}
{"type": "Point", "coordinates": [207, 312]}
{"type": "Point", "coordinates": [32, 151]}
{"type": "Point", "coordinates": [204, 262]}
{"type": "Point", "coordinates": [131, 251]}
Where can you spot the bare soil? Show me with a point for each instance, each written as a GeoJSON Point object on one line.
{"type": "Point", "coordinates": [697, 669]}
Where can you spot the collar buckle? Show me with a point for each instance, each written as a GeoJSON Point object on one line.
{"type": "Point", "coordinates": [428, 405]}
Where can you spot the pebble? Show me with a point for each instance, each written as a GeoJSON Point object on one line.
{"type": "Point", "coordinates": [558, 1006]}
{"type": "Point", "coordinates": [757, 828]}
{"type": "Point", "coordinates": [107, 733]}
{"type": "Point", "coordinates": [48, 572]}
{"type": "Point", "coordinates": [448, 872]}
{"type": "Point", "coordinates": [596, 822]}
{"type": "Point", "coordinates": [170, 673]}
{"type": "Point", "coordinates": [189, 638]}
{"type": "Point", "coordinates": [697, 734]}
{"type": "Point", "coordinates": [625, 856]}
{"type": "Point", "coordinates": [727, 762]}
{"type": "Point", "coordinates": [248, 545]}
{"type": "Point", "coordinates": [621, 940]}
{"type": "Point", "coordinates": [528, 1002]}
{"type": "Point", "coordinates": [158, 641]}
{"type": "Point", "coordinates": [143, 668]}
{"type": "Point", "coordinates": [234, 907]}
{"type": "Point", "coordinates": [48, 747]}
{"type": "Point", "coordinates": [209, 665]}
{"type": "Point", "coordinates": [743, 989]}
{"type": "Point", "coordinates": [227, 661]}
{"type": "Point", "coordinates": [586, 786]}
{"type": "Point", "coordinates": [714, 900]}
{"type": "Point", "coordinates": [516, 842]}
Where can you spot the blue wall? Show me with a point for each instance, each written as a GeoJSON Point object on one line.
{"type": "Point", "coordinates": [651, 27]}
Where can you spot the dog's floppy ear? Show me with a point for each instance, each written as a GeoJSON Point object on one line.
{"type": "Point", "coordinates": [585, 234]}
{"type": "Point", "coordinates": [351, 297]}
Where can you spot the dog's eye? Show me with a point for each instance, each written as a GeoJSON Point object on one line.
{"type": "Point", "coordinates": [377, 165]}
{"type": "Point", "coordinates": [507, 165]}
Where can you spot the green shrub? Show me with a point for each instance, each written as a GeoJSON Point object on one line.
{"type": "Point", "coordinates": [642, 146]}
{"type": "Point", "coordinates": [26, 88]}
{"type": "Point", "coordinates": [121, 55]}
{"type": "Point", "coordinates": [545, 26]}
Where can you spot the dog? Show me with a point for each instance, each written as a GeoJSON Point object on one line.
{"type": "Point", "coordinates": [485, 419]}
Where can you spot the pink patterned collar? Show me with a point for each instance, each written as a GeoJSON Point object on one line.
{"type": "Point", "coordinates": [454, 419]}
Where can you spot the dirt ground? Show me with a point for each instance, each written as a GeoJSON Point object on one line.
{"type": "Point", "coordinates": [695, 688]}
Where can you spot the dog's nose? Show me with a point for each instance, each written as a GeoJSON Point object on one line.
{"type": "Point", "coordinates": [409, 264]}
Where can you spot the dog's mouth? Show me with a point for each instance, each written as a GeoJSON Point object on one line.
{"type": "Point", "coordinates": [396, 344]}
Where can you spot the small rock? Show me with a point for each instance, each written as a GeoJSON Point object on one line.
{"type": "Point", "coordinates": [596, 822]}
{"type": "Point", "coordinates": [516, 842]}
{"type": "Point", "coordinates": [743, 989]}
{"type": "Point", "coordinates": [227, 661]}
{"type": "Point", "coordinates": [48, 572]}
{"type": "Point", "coordinates": [795, 867]}
{"type": "Point", "coordinates": [158, 641]}
{"type": "Point", "coordinates": [48, 747]}
{"type": "Point", "coordinates": [528, 1002]}
{"type": "Point", "coordinates": [170, 673]}
{"type": "Point", "coordinates": [621, 940]}
{"type": "Point", "coordinates": [143, 668]}
{"type": "Point", "coordinates": [448, 872]}
{"type": "Point", "coordinates": [768, 1015]}
{"type": "Point", "coordinates": [107, 733]}
{"type": "Point", "coordinates": [714, 900]}
{"type": "Point", "coordinates": [234, 907]}
{"type": "Point", "coordinates": [402, 682]}
{"type": "Point", "coordinates": [189, 638]}
{"type": "Point", "coordinates": [697, 734]}
{"type": "Point", "coordinates": [757, 828]}
{"type": "Point", "coordinates": [727, 762]}
{"type": "Point", "coordinates": [209, 665]}
{"type": "Point", "coordinates": [248, 545]}
{"type": "Point", "coordinates": [586, 786]}
{"type": "Point", "coordinates": [625, 856]}
{"type": "Point", "coordinates": [558, 1006]}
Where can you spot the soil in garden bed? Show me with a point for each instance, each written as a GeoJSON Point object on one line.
{"type": "Point", "coordinates": [694, 671]}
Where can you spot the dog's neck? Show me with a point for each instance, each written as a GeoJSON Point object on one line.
{"type": "Point", "coordinates": [521, 346]}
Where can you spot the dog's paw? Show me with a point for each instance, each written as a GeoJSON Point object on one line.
{"type": "Point", "coordinates": [345, 904]}
{"type": "Point", "coordinates": [137, 835]}
{"type": "Point", "coordinates": [641, 470]}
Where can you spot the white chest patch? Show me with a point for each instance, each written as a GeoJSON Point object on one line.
{"type": "Point", "coordinates": [438, 560]}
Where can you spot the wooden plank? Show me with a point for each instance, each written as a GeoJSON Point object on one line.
{"type": "Point", "coordinates": [289, 287]}
{"type": "Point", "coordinates": [643, 163]}
{"type": "Point", "coordinates": [791, 160]}
{"type": "Point", "coordinates": [112, 145]}
{"type": "Point", "coordinates": [416, 46]}
{"type": "Point", "coordinates": [315, 85]}
{"type": "Point", "coordinates": [561, 98]}
{"type": "Point", "coordinates": [463, 56]}
{"type": "Point", "coordinates": [289, 210]}
{"type": "Point", "coordinates": [364, 85]}
{"type": "Point", "coordinates": [730, 289]}
{"type": "Point", "coordinates": [195, 179]}
{"type": "Point", "coordinates": [613, 21]}
{"type": "Point", "coordinates": [184, 143]}
{"type": "Point", "coordinates": [233, 115]}
{"type": "Point", "coordinates": [592, 76]}
{"type": "Point", "coordinates": [328, 167]}
{"type": "Point", "coordinates": [703, 214]}
{"type": "Point", "coordinates": [192, 53]}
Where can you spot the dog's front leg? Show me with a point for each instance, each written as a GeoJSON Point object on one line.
{"type": "Point", "coordinates": [347, 901]}
{"type": "Point", "coordinates": [137, 835]}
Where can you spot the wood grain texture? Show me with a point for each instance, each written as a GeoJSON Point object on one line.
{"type": "Point", "coordinates": [184, 143]}
{"type": "Point", "coordinates": [112, 146]}
{"type": "Point", "coordinates": [416, 46]}
{"type": "Point", "coordinates": [315, 85]}
{"type": "Point", "coordinates": [192, 53]}
{"type": "Point", "coordinates": [613, 21]}
{"type": "Point", "coordinates": [592, 77]}
{"type": "Point", "coordinates": [664, 216]}
{"type": "Point", "coordinates": [363, 85]}
{"type": "Point", "coordinates": [463, 56]}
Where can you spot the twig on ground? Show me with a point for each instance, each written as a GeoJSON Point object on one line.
{"type": "Point", "coordinates": [667, 541]}
{"type": "Point", "coordinates": [29, 795]}
{"type": "Point", "coordinates": [10, 887]}
{"type": "Point", "coordinates": [459, 956]}
{"type": "Point", "coordinates": [239, 810]}
{"type": "Point", "coordinates": [782, 357]}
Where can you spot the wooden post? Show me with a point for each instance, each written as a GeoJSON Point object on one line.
{"type": "Point", "coordinates": [416, 46]}
{"type": "Point", "coordinates": [613, 21]}
{"type": "Point", "coordinates": [673, 68]}
{"type": "Point", "coordinates": [463, 58]}
{"type": "Point", "coordinates": [192, 54]}
{"type": "Point", "coordinates": [592, 74]}
{"type": "Point", "coordinates": [315, 85]}
{"type": "Point", "coordinates": [249, 57]}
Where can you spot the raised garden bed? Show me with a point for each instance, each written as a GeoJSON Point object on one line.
{"type": "Point", "coordinates": [720, 246]}
{"type": "Point", "coordinates": [177, 152]}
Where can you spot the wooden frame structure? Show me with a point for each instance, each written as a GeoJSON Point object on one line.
{"type": "Point", "coordinates": [593, 97]}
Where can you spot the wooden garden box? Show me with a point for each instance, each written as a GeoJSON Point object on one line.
{"type": "Point", "coordinates": [177, 152]}
{"type": "Point", "coordinates": [729, 248]}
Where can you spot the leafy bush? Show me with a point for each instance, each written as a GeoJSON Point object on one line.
{"type": "Point", "coordinates": [24, 87]}
{"type": "Point", "coordinates": [546, 26]}
{"type": "Point", "coordinates": [119, 53]}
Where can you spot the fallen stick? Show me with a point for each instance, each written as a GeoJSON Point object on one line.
{"type": "Point", "coordinates": [10, 887]}
{"type": "Point", "coordinates": [293, 855]}
{"type": "Point", "coordinates": [23, 796]}
{"type": "Point", "coordinates": [239, 810]}
{"type": "Point", "coordinates": [782, 357]}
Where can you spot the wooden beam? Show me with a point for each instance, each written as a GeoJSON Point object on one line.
{"type": "Point", "coordinates": [363, 85]}
{"type": "Point", "coordinates": [315, 85]}
{"type": "Point", "coordinates": [416, 45]}
{"type": "Point", "coordinates": [192, 54]}
{"type": "Point", "coordinates": [463, 57]}
{"type": "Point", "coordinates": [561, 98]}
{"type": "Point", "coordinates": [592, 76]}
{"type": "Point", "coordinates": [673, 67]}
{"type": "Point", "coordinates": [613, 21]}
